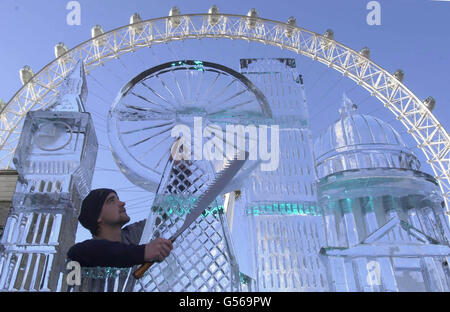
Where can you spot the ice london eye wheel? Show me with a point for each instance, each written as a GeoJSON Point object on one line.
{"type": "Point", "coordinates": [38, 90]}
{"type": "Point", "coordinates": [148, 108]}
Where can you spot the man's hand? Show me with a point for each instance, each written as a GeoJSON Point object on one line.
{"type": "Point", "coordinates": [158, 249]}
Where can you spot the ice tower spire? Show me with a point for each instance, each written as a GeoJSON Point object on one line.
{"type": "Point", "coordinates": [348, 107]}
{"type": "Point", "coordinates": [72, 92]}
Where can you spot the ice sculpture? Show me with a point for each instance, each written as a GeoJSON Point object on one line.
{"type": "Point", "coordinates": [385, 223]}
{"type": "Point", "coordinates": [55, 159]}
{"type": "Point", "coordinates": [147, 111]}
{"type": "Point", "coordinates": [72, 92]}
{"type": "Point", "coordinates": [173, 97]}
{"type": "Point", "coordinates": [203, 257]}
{"type": "Point", "coordinates": [277, 209]}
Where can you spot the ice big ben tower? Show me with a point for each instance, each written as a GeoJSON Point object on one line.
{"type": "Point", "coordinates": [55, 160]}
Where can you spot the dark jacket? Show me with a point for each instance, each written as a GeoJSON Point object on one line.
{"type": "Point", "coordinates": [105, 253]}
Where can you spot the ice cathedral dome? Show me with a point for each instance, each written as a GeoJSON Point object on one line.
{"type": "Point", "coordinates": [357, 141]}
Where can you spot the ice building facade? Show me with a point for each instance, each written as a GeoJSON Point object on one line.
{"type": "Point", "coordinates": [384, 219]}
{"type": "Point", "coordinates": [276, 224]}
{"type": "Point", "coordinates": [55, 160]}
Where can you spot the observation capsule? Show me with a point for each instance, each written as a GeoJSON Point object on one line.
{"type": "Point", "coordinates": [96, 31]}
{"type": "Point", "coordinates": [253, 15]}
{"type": "Point", "coordinates": [213, 18]}
{"type": "Point", "coordinates": [60, 49]}
{"type": "Point", "coordinates": [290, 28]}
{"type": "Point", "coordinates": [135, 19]}
{"type": "Point", "coordinates": [329, 34]}
{"type": "Point", "coordinates": [399, 75]}
{"type": "Point", "coordinates": [174, 19]}
{"type": "Point", "coordinates": [430, 102]}
{"type": "Point", "coordinates": [26, 73]}
{"type": "Point", "coordinates": [365, 52]}
{"type": "Point", "coordinates": [2, 104]}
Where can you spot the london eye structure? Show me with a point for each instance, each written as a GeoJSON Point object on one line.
{"type": "Point", "coordinates": [39, 90]}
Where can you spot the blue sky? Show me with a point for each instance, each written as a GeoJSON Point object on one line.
{"type": "Point", "coordinates": [413, 35]}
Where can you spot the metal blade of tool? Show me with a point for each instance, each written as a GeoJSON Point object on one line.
{"type": "Point", "coordinates": [222, 179]}
{"type": "Point", "coordinates": [217, 187]}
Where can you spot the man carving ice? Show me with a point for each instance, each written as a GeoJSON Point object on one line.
{"type": "Point", "coordinates": [104, 215]}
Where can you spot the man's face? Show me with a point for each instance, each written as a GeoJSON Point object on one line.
{"type": "Point", "coordinates": [113, 211]}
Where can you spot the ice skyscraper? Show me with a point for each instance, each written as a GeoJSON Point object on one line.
{"type": "Point", "coordinates": [276, 223]}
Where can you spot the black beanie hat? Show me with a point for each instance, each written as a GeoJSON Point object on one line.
{"type": "Point", "coordinates": [91, 207]}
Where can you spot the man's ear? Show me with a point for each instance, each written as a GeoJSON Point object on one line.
{"type": "Point", "coordinates": [99, 219]}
